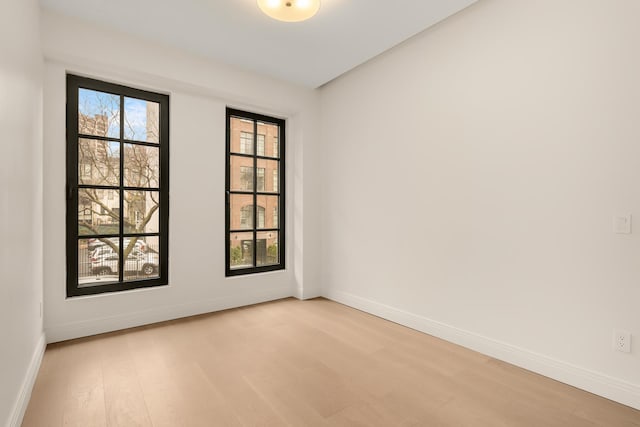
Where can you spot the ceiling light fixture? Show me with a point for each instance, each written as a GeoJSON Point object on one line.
{"type": "Point", "coordinates": [289, 10]}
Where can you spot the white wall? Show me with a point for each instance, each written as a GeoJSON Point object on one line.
{"type": "Point", "coordinates": [471, 175]}
{"type": "Point", "coordinates": [199, 92]}
{"type": "Point", "coordinates": [21, 339]}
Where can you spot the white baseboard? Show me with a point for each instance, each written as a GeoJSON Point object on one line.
{"type": "Point", "coordinates": [304, 294]}
{"type": "Point", "coordinates": [603, 385]}
{"type": "Point", "coordinates": [20, 407]}
{"type": "Point", "coordinates": [85, 328]}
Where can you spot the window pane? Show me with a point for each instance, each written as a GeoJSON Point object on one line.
{"type": "Point", "coordinates": [97, 261]}
{"type": "Point", "coordinates": [241, 212]}
{"type": "Point", "coordinates": [241, 133]}
{"type": "Point", "coordinates": [148, 243]}
{"type": "Point", "coordinates": [267, 252]}
{"type": "Point", "coordinates": [98, 211]}
{"type": "Point", "coordinates": [141, 213]}
{"type": "Point", "coordinates": [141, 166]}
{"type": "Point", "coordinates": [241, 173]}
{"type": "Point", "coordinates": [141, 119]}
{"type": "Point", "coordinates": [241, 250]}
{"type": "Point", "coordinates": [270, 171]}
{"type": "Point", "coordinates": [270, 144]}
{"type": "Point", "coordinates": [98, 113]}
{"type": "Point", "coordinates": [98, 162]}
{"type": "Point", "coordinates": [141, 261]}
{"type": "Point", "coordinates": [267, 205]}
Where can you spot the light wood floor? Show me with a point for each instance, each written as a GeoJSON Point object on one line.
{"type": "Point", "coordinates": [299, 363]}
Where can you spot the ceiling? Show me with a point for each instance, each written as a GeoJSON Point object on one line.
{"type": "Point", "coordinates": [344, 33]}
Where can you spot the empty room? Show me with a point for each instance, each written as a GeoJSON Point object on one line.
{"type": "Point", "coordinates": [319, 213]}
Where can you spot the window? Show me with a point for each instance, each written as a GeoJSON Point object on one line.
{"type": "Point", "coordinates": [254, 245]}
{"type": "Point", "coordinates": [85, 171]}
{"type": "Point", "coordinates": [117, 187]}
{"type": "Point", "coordinates": [246, 178]}
{"type": "Point", "coordinates": [260, 217]}
{"type": "Point", "coordinates": [275, 146]}
{"type": "Point", "coordinates": [260, 181]}
{"type": "Point", "coordinates": [85, 211]}
{"type": "Point", "coordinates": [275, 217]}
{"type": "Point", "coordinates": [275, 180]}
{"type": "Point", "coordinates": [260, 145]}
{"type": "Point", "coordinates": [246, 217]}
{"type": "Point", "coordinates": [246, 143]}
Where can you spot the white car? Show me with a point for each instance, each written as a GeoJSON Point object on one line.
{"type": "Point", "coordinates": [105, 263]}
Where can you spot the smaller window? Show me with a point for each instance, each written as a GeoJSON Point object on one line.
{"type": "Point", "coordinates": [246, 143]}
{"type": "Point", "coordinates": [85, 214]}
{"type": "Point", "coordinates": [275, 217]}
{"type": "Point", "coordinates": [246, 178]}
{"type": "Point", "coordinates": [260, 149]}
{"type": "Point", "coordinates": [246, 216]}
{"type": "Point", "coordinates": [275, 146]}
{"type": "Point", "coordinates": [85, 171]}
{"type": "Point", "coordinates": [260, 217]}
{"type": "Point", "coordinates": [260, 179]}
{"type": "Point", "coordinates": [275, 180]}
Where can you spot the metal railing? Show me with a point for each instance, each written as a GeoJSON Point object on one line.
{"type": "Point", "coordinates": [101, 265]}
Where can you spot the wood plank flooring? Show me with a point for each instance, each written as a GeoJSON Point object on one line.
{"type": "Point", "coordinates": [297, 363]}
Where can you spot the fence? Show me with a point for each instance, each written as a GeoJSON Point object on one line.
{"type": "Point", "coordinates": [100, 263]}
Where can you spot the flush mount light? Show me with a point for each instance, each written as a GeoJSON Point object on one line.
{"type": "Point", "coordinates": [289, 10]}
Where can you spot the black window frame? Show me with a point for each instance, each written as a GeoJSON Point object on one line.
{"type": "Point", "coordinates": [280, 229]}
{"type": "Point", "coordinates": [74, 84]}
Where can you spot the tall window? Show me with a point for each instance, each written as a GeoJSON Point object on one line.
{"type": "Point", "coordinates": [254, 246]}
{"type": "Point", "coordinates": [117, 187]}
